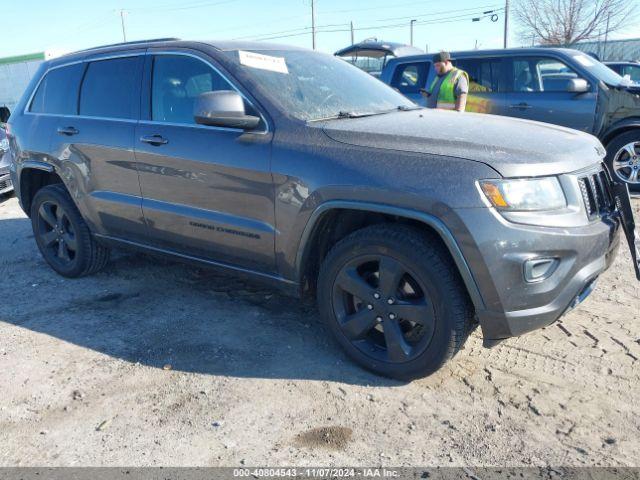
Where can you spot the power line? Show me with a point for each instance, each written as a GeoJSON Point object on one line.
{"type": "Point", "coordinates": [474, 9]}
{"type": "Point", "coordinates": [170, 7]}
{"type": "Point", "coordinates": [301, 30]}
{"type": "Point", "coordinates": [322, 28]}
{"type": "Point", "coordinates": [96, 23]}
{"type": "Point", "coordinates": [453, 19]}
{"type": "Point", "coordinates": [395, 5]}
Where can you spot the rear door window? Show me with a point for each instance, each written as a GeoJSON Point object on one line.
{"type": "Point", "coordinates": [58, 91]}
{"type": "Point", "coordinates": [111, 88]}
{"type": "Point", "coordinates": [485, 74]}
{"type": "Point", "coordinates": [410, 77]}
{"type": "Point", "coordinates": [542, 74]}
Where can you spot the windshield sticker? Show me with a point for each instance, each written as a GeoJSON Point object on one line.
{"type": "Point", "coordinates": [584, 60]}
{"type": "Point", "coordinates": [263, 62]}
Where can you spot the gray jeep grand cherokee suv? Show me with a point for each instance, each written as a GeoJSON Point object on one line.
{"type": "Point", "coordinates": [296, 168]}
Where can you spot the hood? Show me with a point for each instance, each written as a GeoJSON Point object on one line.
{"type": "Point", "coordinates": [513, 147]}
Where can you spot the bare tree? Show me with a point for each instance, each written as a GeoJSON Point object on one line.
{"type": "Point", "coordinates": [565, 22]}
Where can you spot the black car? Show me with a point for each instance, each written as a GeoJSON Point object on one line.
{"type": "Point", "coordinates": [295, 168]}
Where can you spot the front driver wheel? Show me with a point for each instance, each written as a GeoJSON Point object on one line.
{"type": "Point", "coordinates": [392, 298]}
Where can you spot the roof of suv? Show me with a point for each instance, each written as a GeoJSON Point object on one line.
{"type": "Point", "coordinates": [632, 63]}
{"type": "Point", "coordinates": [224, 45]}
{"type": "Point", "coordinates": [494, 52]}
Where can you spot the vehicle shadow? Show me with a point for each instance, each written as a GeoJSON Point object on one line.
{"type": "Point", "coordinates": [168, 315]}
{"type": "Point", "coordinates": [5, 197]}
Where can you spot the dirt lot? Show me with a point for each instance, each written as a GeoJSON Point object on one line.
{"type": "Point", "coordinates": [155, 363]}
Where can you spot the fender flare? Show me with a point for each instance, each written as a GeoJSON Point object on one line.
{"type": "Point", "coordinates": [29, 165]}
{"type": "Point", "coordinates": [35, 165]}
{"type": "Point", "coordinates": [425, 218]}
{"type": "Point", "coordinates": [624, 124]}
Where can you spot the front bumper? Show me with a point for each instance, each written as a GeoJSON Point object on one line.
{"type": "Point", "coordinates": [498, 250]}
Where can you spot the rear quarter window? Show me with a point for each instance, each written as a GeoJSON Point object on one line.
{"type": "Point", "coordinates": [57, 93]}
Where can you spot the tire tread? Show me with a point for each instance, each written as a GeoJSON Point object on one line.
{"type": "Point", "coordinates": [430, 251]}
{"type": "Point", "coordinates": [97, 256]}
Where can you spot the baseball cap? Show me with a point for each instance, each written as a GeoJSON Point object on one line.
{"type": "Point", "coordinates": [442, 57]}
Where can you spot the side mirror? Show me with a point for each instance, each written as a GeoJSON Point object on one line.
{"type": "Point", "coordinates": [577, 85]}
{"type": "Point", "coordinates": [223, 108]}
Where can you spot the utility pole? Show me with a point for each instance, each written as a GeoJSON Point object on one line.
{"type": "Point", "coordinates": [606, 39]}
{"type": "Point", "coordinates": [352, 36]}
{"type": "Point", "coordinates": [124, 32]}
{"type": "Point", "coordinates": [506, 24]}
{"type": "Point", "coordinates": [411, 29]}
{"type": "Point", "coordinates": [313, 24]}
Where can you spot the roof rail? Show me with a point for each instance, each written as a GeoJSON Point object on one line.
{"type": "Point", "coordinates": [151, 40]}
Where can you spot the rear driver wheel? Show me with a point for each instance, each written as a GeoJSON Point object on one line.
{"type": "Point", "coordinates": [62, 235]}
{"type": "Point", "coordinates": [394, 301]}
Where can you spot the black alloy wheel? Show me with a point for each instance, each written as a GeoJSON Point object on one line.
{"type": "Point", "coordinates": [56, 234]}
{"type": "Point", "coordinates": [393, 299]}
{"type": "Point", "coordinates": [383, 309]}
{"type": "Point", "coordinates": [62, 235]}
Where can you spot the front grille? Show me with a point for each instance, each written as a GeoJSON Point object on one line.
{"type": "Point", "coordinates": [4, 184]}
{"type": "Point", "coordinates": [596, 193]}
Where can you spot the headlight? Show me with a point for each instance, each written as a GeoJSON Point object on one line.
{"type": "Point", "coordinates": [4, 145]}
{"type": "Point", "coordinates": [525, 194]}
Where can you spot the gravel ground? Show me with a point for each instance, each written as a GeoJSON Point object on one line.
{"type": "Point", "coordinates": [155, 363]}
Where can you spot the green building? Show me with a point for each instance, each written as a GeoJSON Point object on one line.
{"type": "Point", "coordinates": [15, 74]}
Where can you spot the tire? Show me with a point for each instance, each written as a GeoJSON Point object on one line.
{"type": "Point", "coordinates": [422, 284]}
{"type": "Point", "coordinates": [62, 236]}
{"type": "Point", "coordinates": [623, 158]}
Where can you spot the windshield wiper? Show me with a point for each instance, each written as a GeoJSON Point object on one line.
{"type": "Point", "coordinates": [407, 108]}
{"type": "Point", "coordinates": [346, 114]}
{"type": "Point", "coordinates": [342, 114]}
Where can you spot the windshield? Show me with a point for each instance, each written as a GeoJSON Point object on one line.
{"type": "Point", "coordinates": [633, 71]}
{"type": "Point", "coordinates": [599, 70]}
{"type": "Point", "coordinates": [313, 86]}
{"type": "Point", "coordinates": [371, 61]}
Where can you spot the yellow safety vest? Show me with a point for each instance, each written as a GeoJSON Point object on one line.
{"type": "Point", "coordinates": [447, 94]}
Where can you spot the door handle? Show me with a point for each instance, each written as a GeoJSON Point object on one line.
{"type": "Point", "coordinates": [68, 131]}
{"type": "Point", "coordinates": [521, 106]}
{"type": "Point", "coordinates": [155, 140]}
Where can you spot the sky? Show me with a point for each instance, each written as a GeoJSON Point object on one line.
{"type": "Point", "coordinates": [31, 26]}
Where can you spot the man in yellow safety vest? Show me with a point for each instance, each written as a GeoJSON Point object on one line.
{"type": "Point", "coordinates": [450, 87]}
